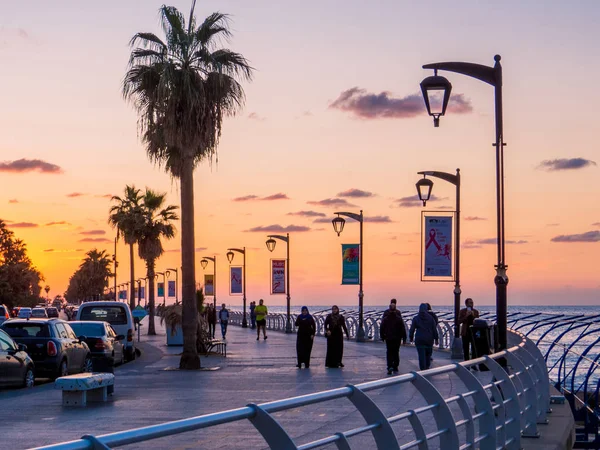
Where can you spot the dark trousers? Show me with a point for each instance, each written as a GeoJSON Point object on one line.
{"type": "Point", "coordinates": [393, 353]}
{"type": "Point", "coordinates": [211, 329]}
{"type": "Point", "coordinates": [468, 347]}
{"type": "Point", "coordinates": [223, 328]}
{"type": "Point", "coordinates": [424, 352]}
{"type": "Point", "coordinates": [253, 321]}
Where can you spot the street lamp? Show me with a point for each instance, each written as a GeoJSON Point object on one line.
{"type": "Point", "coordinates": [139, 282]}
{"type": "Point", "coordinates": [164, 275]}
{"type": "Point", "coordinates": [338, 227]}
{"type": "Point", "coordinates": [271, 246]}
{"type": "Point", "coordinates": [492, 76]}
{"type": "Point", "coordinates": [424, 187]}
{"type": "Point", "coordinates": [230, 256]}
{"type": "Point", "coordinates": [204, 263]}
{"type": "Point", "coordinates": [168, 273]}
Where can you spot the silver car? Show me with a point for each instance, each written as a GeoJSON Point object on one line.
{"type": "Point", "coordinates": [39, 313]}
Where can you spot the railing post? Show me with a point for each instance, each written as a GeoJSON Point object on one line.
{"type": "Point", "coordinates": [273, 433]}
{"type": "Point", "coordinates": [342, 443]}
{"type": "Point", "coordinates": [532, 352]}
{"type": "Point", "coordinates": [528, 396]}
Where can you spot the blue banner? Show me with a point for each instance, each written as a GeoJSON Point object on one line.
{"type": "Point", "coordinates": [350, 263]}
{"type": "Point", "coordinates": [161, 289]}
{"type": "Point", "coordinates": [171, 289]}
{"type": "Point", "coordinates": [236, 282]}
{"type": "Point", "coordinates": [143, 292]}
{"type": "Point", "coordinates": [437, 247]}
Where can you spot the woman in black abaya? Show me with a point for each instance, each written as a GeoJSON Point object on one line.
{"type": "Point", "coordinates": [306, 334]}
{"type": "Point", "coordinates": [335, 326]}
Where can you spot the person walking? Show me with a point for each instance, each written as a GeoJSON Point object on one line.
{"type": "Point", "coordinates": [335, 324]}
{"type": "Point", "coordinates": [393, 332]}
{"type": "Point", "coordinates": [424, 332]}
{"type": "Point", "coordinates": [224, 319]}
{"type": "Point", "coordinates": [307, 328]}
{"type": "Point", "coordinates": [466, 316]}
{"type": "Point", "coordinates": [261, 319]}
{"type": "Point", "coordinates": [211, 318]}
{"type": "Point", "coordinates": [252, 315]}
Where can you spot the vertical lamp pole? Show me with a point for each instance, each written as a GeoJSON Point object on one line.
{"type": "Point", "coordinates": [139, 282]}
{"type": "Point", "coordinates": [116, 264]}
{"type": "Point", "coordinates": [164, 286]}
{"type": "Point", "coordinates": [424, 187]}
{"type": "Point", "coordinates": [204, 263]}
{"type": "Point", "coordinates": [271, 246]}
{"type": "Point", "coordinates": [338, 226]}
{"type": "Point", "coordinates": [230, 256]}
{"type": "Point", "coordinates": [176, 282]}
{"type": "Point", "coordinates": [492, 76]}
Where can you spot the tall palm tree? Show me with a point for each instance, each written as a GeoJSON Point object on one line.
{"type": "Point", "coordinates": [182, 87]}
{"type": "Point", "coordinates": [125, 217]}
{"type": "Point", "coordinates": [155, 226]}
{"type": "Point", "coordinates": [95, 270]}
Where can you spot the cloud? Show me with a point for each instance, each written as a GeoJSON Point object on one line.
{"type": "Point", "coordinates": [331, 202]}
{"type": "Point", "coordinates": [23, 225]}
{"type": "Point", "coordinates": [590, 236]}
{"type": "Point", "coordinates": [13, 200]}
{"type": "Point", "coordinates": [552, 165]}
{"type": "Point", "coordinates": [245, 198]}
{"type": "Point", "coordinates": [278, 229]}
{"type": "Point", "coordinates": [377, 219]}
{"type": "Point", "coordinates": [93, 233]}
{"type": "Point", "coordinates": [401, 254]}
{"type": "Point", "coordinates": [25, 165]}
{"type": "Point", "coordinates": [75, 194]}
{"type": "Point", "coordinates": [356, 193]}
{"type": "Point", "coordinates": [255, 116]}
{"type": "Point", "coordinates": [62, 222]}
{"type": "Point", "coordinates": [70, 250]}
{"type": "Point", "coordinates": [490, 241]}
{"type": "Point", "coordinates": [48, 250]}
{"type": "Point", "coordinates": [178, 250]}
{"type": "Point", "coordinates": [470, 244]}
{"type": "Point", "coordinates": [103, 196]}
{"type": "Point", "coordinates": [95, 240]}
{"type": "Point", "coordinates": [278, 196]}
{"type": "Point", "coordinates": [306, 214]}
{"type": "Point", "coordinates": [475, 218]}
{"type": "Point", "coordinates": [323, 220]}
{"type": "Point", "coordinates": [364, 105]}
{"type": "Point", "coordinates": [252, 197]}
{"type": "Point", "coordinates": [413, 201]}
{"type": "Point", "coordinates": [596, 224]}
{"type": "Point", "coordinates": [553, 224]}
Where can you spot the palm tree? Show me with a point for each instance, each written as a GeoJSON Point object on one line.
{"type": "Point", "coordinates": [183, 87]}
{"type": "Point", "coordinates": [155, 226]}
{"type": "Point", "coordinates": [95, 270]}
{"type": "Point", "coordinates": [125, 217]}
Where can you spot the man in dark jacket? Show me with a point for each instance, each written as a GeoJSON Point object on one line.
{"type": "Point", "coordinates": [393, 332]}
{"type": "Point", "coordinates": [426, 334]}
{"type": "Point", "coordinates": [466, 316]}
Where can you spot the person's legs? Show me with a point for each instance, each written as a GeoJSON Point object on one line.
{"type": "Point", "coordinates": [428, 353]}
{"type": "Point", "coordinates": [421, 353]}
{"type": "Point", "coordinates": [396, 355]}
{"type": "Point", "coordinates": [466, 342]}
{"type": "Point", "coordinates": [223, 328]}
{"type": "Point", "coordinates": [389, 354]}
{"type": "Point", "coordinates": [264, 327]}
{"type": "Point", "coordinates": [225, 331]}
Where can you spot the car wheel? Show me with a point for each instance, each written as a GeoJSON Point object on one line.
{"type": "Point", "coordinates": [29, 379]}
{"type": "Point", "coordinates": [87, 365]}
{"type": "Point", "coordinates": [63, 369]}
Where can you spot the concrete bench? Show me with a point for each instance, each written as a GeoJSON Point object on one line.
{"type": "Point", "coordinates": [78, 389]}
{"type": "Point", "coordinates": [219, 345]}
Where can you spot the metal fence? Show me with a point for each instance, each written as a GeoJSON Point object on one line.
{"type": "Point", "coordinates": [491, 414]}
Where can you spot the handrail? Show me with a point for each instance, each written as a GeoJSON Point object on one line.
{"type": "Point", "coordinates": [505, 410]}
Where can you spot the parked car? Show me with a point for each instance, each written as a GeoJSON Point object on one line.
{"type": "Point", "coordinates": [16, 367]}
{"type": "Point", "coordinates": [38, 313]}
{"type": "Point", "coordinates": [52, 311]}
{"type": "Point", "coordinates": [15, 312]}
{"type": "Point", "coordinates": [105, 344]}
{"type": "Point", "coordinates": [4, 315]}
{"type": "Point", "coordinates": [24, 313]}
{"type": "Point", "coordinates": [52, 344]}
{"type": "Point", "coordinates": [117, 314]}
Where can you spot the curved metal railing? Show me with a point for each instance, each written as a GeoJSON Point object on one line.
{"type": "Point", "coordinates": [486, 414]}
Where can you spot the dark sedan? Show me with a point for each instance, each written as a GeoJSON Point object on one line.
{"type": "Point", "coordinates": [52, 344]}
{"type": "Point", "coordinates": [16, 367]}
{"type": "Point", "coordinates": [104, 343]}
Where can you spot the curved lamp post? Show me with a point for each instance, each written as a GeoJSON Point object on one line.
{"type": "Point", "coordinates": [204, 263]}
{"type": "Point", "coordinates": [230, 256]}
{"type": "Point", "coordinates": [492, 76]}
{"type": "Point", "coordinates": [164, 275]}
{"type": "Point", "coordinates": [271, 242]}
{"type": "Point", "coordinates": [168, 273]}
{"type": "Point", "coordinates": [139, 282]}
{"type": "Point", "coordinates": [424, 187]}
{"type": "Point", "coordinates": [338, 226]}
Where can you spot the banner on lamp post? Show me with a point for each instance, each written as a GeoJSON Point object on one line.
{"type": "Point", "coordinates": [122, 295]}
{"type": "Point", "coordinates": [143, 292]}
{"type": "Point", "coordinates": [160, 287]}
{"type": "Point", "coordinates": [209, 284]}
{"type": "Point", "coordinates": [278, 270]}
{"type": "Point", "coordinates": [437, 252]}
{"type": "Point", "coordinates": [171, 289]}
{"type": "Point", "coordinates": [351, 264]}
{"type": "Point", "coordinates": [235, 280]}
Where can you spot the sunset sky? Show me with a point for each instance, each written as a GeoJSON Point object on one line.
{"type": "Point", "coordinates": [333, 121]}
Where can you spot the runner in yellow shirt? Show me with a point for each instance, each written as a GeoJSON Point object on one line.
{"type": "Point", "coordinates": [261, 319]}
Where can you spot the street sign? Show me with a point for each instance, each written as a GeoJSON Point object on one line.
{"type": "Point", "coordinates": [139, 312]}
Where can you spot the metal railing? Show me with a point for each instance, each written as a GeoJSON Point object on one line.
{"type": "Point", "coordinates": [488, 414]}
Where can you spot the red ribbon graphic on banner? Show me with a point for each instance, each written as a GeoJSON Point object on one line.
{"type": "Point", "coordinates": [432, 241]}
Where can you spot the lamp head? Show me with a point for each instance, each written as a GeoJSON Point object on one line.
{"type": "Point", "coordinates": [424, 187]}
{"type": "Point", "coordinates": [338, 224]}
{"type": "Point", "coordinates": [436, 94]}
{"type": "Point", "coordinates": [204, 263]}
{"type": "Point", "coordinates": [230, 256]}
{"type": "Point", "coordinates": [271, 244]}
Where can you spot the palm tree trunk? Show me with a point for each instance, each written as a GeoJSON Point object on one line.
{"type": "Point", "coordinates": [131, 277]}
{"type": "Point", "coordinates": [150, 274]}
{"type": "Point", "coordinates": [189, 358]}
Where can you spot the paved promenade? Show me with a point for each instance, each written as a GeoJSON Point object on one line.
{"type": "Point", "coordinates": [147, 393]}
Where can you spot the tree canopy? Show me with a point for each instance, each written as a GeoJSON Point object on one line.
{"type": "Point", "coordinates": [91, 278]}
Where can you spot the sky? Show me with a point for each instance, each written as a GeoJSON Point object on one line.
{"type": "Point", "coordinates": [333, 120]}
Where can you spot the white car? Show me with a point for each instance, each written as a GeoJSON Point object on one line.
{"type": "Point", "coordinates": [24, 313]}
{"type": "Point", "coordinates": [38, 313]}
{"type": "Point", "coordinates": [117, 314]}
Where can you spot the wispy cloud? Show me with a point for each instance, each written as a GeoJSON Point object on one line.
{"type": "Point", "coordinates": [590, 236]}
{"type": "Point", "coordinates": [279, 229]}
{"type": "Point", "coordinates": [401, 254]}
{"type": "Point", "coordinates": [278, 196]}
{"type": "Point", "coordinates": [178, 250]}
{"type": "Point", "coordinates": [469, 245]}
{"type": "Point", "coordinates": [365, 105]}
{"type": "Point", "coordinates": [252, 197]}
{"type": "Point", "coordinates": [97, 240]}
{"type": "Point", "coordinates": [596, 224]}
{"type": "Point", "coordinates": [75, 194]}
{"type": "Point", "coordinates": [331, 202]}
{"type": "Point", "coordinates": [103, 196]}
{"type": "Point", "coordinates": [323, 220]}
{"type": "Point", "coordinates": [51, 250]}
{"type": "Point", "coordinates": [413, 201]}
{"type": "Point", "coordinates": [23, 225]}
{"type": "Point", "coordinates": [256, 116]}
{"type": "Point", "coordinates": [13, 200]}
{"type": "Point", "coordinates": [377, 219]}
{"type": "Point", "coordinates": [475, 218]}
{"type": "Point", "coordinates": [490, 241]}
{"type": "Point", "coordinates": [48, 250]}
{"type": "Point", "coordinates": [25, 165]}
{"type": "Point", "coordinates": [62, 222]}
{"type": "Point", "coordinates": [552, 165]}
{"type": "Point", "coordinates": [552, 224]}
{"type": "Point", "coordinates": [306, 214]}
{"type": "Point", "coordinates": [93, 233]}
{"type": "Point", "coordinates": [356, 193]}
{"type": "Point", "coordinates": [245, 198]}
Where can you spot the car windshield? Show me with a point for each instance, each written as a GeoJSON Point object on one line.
{"type": "Point", "coordinates": [87, 329]}
{"type": "Point", "coordinates": [2, 311]}
{"type": "Point", "coordinates": [115, 315]}
{"type": "Point", "coordinates": [29, 329]}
